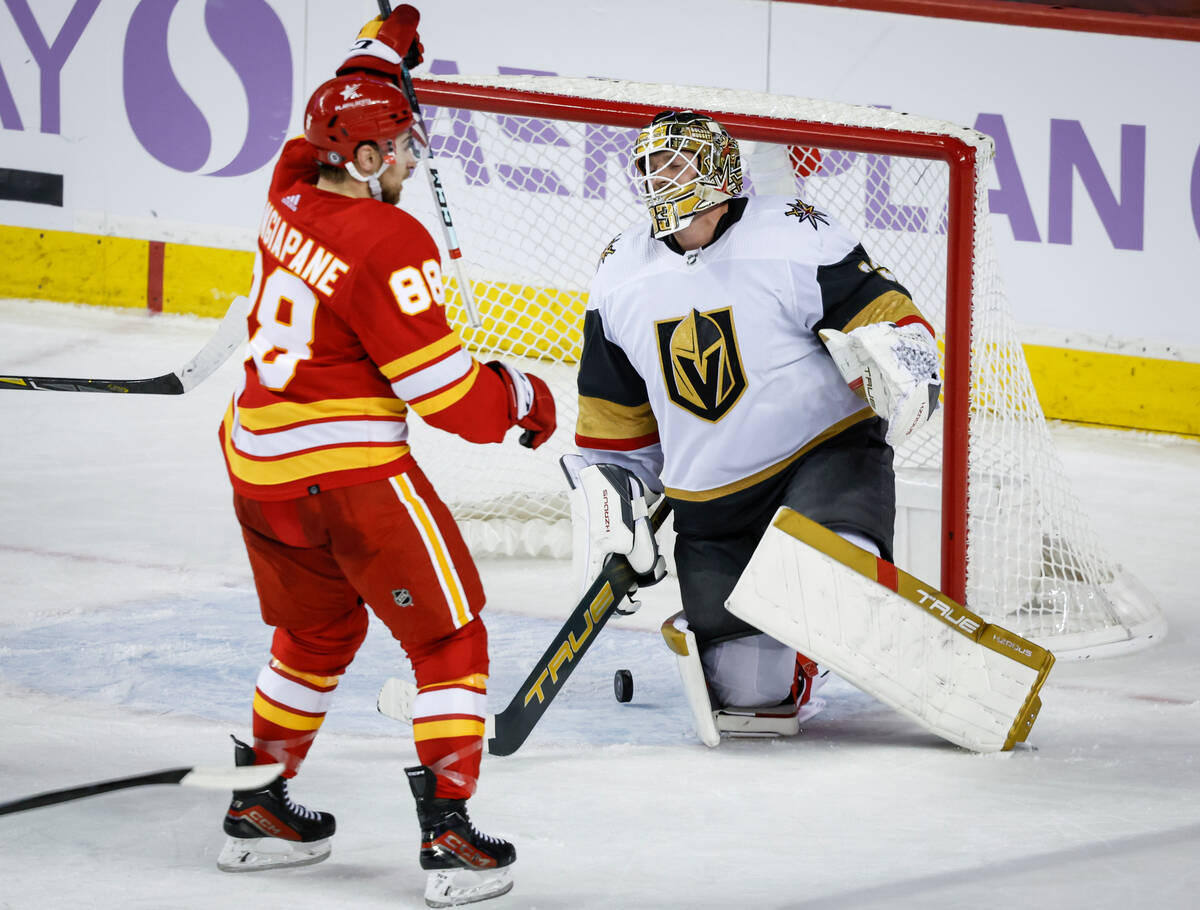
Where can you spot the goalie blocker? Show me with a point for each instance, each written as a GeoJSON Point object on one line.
{"type": "Point", "coordinates": [893, 636]}
{"type": "Point", "coordinates": [610, 517]}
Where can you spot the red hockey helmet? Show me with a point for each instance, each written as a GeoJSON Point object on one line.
{"type": "Point", "coordinates": [349, 110]}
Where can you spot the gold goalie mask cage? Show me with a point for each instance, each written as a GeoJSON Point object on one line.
{"type": "Point", "coordinates": [684, 163]}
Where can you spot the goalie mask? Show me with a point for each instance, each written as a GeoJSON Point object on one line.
{"type": "Point", "coordinates": [347, 111]}
{"type": "Point", "coordinates": [684, 163]}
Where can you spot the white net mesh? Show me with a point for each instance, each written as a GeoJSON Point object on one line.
{"type": "Point", "coordinates": [537, 194]}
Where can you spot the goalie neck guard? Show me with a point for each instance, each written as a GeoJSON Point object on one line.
{"type": "Point", "coordinates": [701, 168]}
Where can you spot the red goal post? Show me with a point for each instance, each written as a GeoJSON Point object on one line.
{"type": "Point", "coordinates": [511, 152]}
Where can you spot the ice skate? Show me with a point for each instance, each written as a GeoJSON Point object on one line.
{"type": "Point", "coordinates": [267, 830]}
{"type": "Point", "coordinates": [464, 865]}
{"type": "Point", "coordinates": [785, 718]}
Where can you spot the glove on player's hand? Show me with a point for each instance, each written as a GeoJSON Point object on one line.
{"type": "Point", "coordinates": [895, 368]}
{"type": "Point", "coordinates": [384, 45]}
{"type": "Point", "coordinates": [530, 404]}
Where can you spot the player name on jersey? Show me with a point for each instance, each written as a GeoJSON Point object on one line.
{"type": "Point", "coordinates": [315, 266]}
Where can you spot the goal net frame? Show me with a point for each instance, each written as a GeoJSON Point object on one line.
{"type": "Point", "coordinates": [794, 123]}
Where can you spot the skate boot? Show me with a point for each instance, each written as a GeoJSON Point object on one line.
{"type": "Point", "coordinates": [809, 679]}
{"type": "Point", "coordinates": [464, 865]}
{"type": "Point", "coordinates": [268, 831]}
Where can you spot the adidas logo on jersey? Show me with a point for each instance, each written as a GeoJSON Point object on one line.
{"type": "Point", "coordinates": [291, 201]}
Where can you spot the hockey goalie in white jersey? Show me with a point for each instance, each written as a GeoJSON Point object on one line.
{"type": "Point", "coordinates": [743, 354]}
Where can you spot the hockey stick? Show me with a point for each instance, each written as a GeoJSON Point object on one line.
{"type": "Point", "coordinates": [508, 730]}
{"type": "Point", "coordinates": [247, 777]}
{"type": "Point", "coordinates": [230, 333]}
{"type": "Point", "coordinates": [439, 193]}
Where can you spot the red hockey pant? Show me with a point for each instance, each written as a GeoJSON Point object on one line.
{"type": "Point", "coordinates": [393, 545]}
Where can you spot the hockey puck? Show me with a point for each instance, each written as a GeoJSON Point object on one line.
{"type": "Point", "coordinates": [623, 686]}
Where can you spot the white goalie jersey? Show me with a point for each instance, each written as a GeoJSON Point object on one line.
{"type": "Point", "coordinates": [703, 371]}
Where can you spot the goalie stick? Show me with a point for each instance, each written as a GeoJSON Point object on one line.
{"type": "Point", "coordinates": [247, 777]}
{"type": "Point", "coordinates": [230, 333]}
{"type": "Point", "coordinates": [439, 193]}
{"type": "Point", "coordinates": [507, 731]}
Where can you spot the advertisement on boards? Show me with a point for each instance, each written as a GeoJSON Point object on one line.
{"type": "Point", "coordinates": [159, 120]}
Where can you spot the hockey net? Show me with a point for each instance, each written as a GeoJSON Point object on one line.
{"type": "Point", "coordinates": [534, 169]}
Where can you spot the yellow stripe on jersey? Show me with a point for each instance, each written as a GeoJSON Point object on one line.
{"type": "Point", "coordinates": [444, 729]}
{"type": "Point", "coordinates": [600, 419]}
{"type": "Point", "coordinates": [770, 470]}
{"type": "Point", "coordinates": [283, 717]}
{"type": "Point", "coordinates": [394, 369]}
{"type": "Point", "coordinates": [321, 681]}
{"type": "Point", "coordinates": [308, 464]}
{"type": "Point", "coordinates": [456, 598]}
{"type": "Point", "coordinates": [890, 307]}
{"type": "Point", "coordinates": [453, 394]}
{"type": "Point", "coordinates": [286, 413]}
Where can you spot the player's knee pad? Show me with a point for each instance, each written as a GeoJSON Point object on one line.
{"type": "Point", "coordinates": [326, 650]}
{"type": "Point", "coordinates": [462, 653]}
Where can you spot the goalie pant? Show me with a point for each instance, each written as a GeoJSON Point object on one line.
{"type": "Point", "coordinates": [846, 483]}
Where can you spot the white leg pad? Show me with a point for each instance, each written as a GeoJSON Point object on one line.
{"type": "Point", "coordinates": [891, 635]}
{"type": "Point", "coordinates": [682, 641]}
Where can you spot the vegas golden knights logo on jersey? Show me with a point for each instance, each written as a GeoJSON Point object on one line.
{"type": "Point", "coordinates": [701, 365]}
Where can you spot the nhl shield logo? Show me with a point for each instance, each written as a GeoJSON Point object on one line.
{"type": "Point", "coordinates": [402, 597]}
{"type": "Point", "coordinates": [701, 365]}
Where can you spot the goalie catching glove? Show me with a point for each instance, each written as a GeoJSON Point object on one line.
{"type": "Point", "coordinates": [895, 368]}
{"type": "Point", "coordinates": [609, 516]}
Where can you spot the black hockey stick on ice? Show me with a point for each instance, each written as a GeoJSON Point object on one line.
{"type": "Point", "coordinates": [435, 187]}
{"type": "Point", "coordinates": [509, 729]}
{"type": "Point", "coordinates": [230, 333]}
{"type": "Point", "coordinates": [247, 777]}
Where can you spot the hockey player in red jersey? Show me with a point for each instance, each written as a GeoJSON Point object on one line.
{"type": "Point", "coordinates": [348, 332]}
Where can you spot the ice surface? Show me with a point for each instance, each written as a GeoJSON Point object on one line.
{"type": "Point", "coordinates": [129, 642]}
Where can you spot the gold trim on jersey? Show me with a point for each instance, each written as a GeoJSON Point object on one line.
{"type": "Point", "coordinates": [891, 306]}
{"type": "Point", "coordinates": [290, 468]}
{"type": "Point", "coordinates": [452, 395]}
{"type": "Point", "coordinates": [770, 471]}
{"type": "Point", "coordinates": [395, 369]}
{"type": "Point", "coordinates": [285, 413]}
{"type": "Point", "coordinates": [601, 419]}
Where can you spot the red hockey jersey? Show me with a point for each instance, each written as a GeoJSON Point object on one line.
{"type": "Point", "coordinates": [347, 331]}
